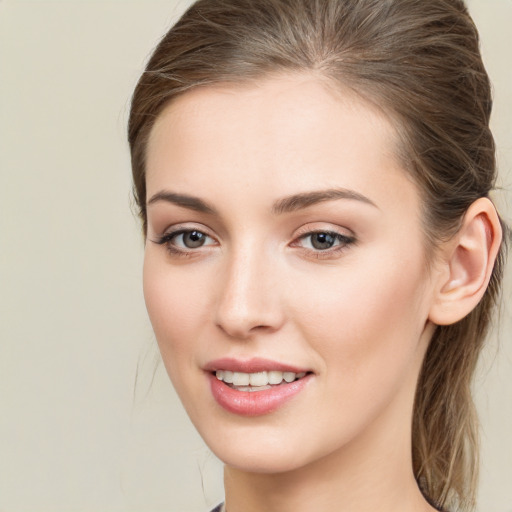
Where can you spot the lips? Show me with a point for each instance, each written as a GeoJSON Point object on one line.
{"type": "Point", "coordinates": [258, 379]}
{"type": "Point", "coordinates": [251, 365]}
{"type": "Point", "coordinates": [254, 387]}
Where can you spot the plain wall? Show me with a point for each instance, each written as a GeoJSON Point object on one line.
{"type": "Point", "coordinates": [75, 435]}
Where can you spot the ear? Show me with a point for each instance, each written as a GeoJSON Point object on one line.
{"type": "Point", "coordinates": [466, 264]}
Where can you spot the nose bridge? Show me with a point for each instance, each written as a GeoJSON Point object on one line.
{"type": "Point", "coordinates": [248, 300]}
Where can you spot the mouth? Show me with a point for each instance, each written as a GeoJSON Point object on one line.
{"type": "Point", "coordinates": [255, 387]}
{"type": "Point", "coordinates": [257, 381]}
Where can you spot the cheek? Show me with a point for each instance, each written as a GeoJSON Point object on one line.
{"type": "Point", "coordinates": [368, 318]}
{"type": "Point", "coordinates": [175, 307]}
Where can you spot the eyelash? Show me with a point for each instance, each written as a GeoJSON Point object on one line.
{"type": "Point", "coordinates": [167, 238]}
{"type": "Point", "coordinates": [343, 241]}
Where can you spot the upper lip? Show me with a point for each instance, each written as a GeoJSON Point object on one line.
{"type": "Point", "coordinates": [253, 365]}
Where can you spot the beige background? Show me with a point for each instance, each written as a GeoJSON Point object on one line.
{"type": "Point", "coordinates": [74, 436]}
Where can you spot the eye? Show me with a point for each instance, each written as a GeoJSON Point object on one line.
{"type": "Point", "coordinates": [184, 241]}
{"type": "Point", "coordinates": [323, 241]}
{"type": "Point", "coordinates": [190, 239]}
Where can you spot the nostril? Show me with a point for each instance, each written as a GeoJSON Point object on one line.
{"type": "Point", "coordinates": [244, 328]}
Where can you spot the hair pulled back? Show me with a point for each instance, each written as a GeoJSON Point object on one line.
{"type": "Point", "coordinates": [419, 61]}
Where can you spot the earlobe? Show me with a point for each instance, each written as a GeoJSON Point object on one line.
{"type": "Point", "coordinates": [467, 264]}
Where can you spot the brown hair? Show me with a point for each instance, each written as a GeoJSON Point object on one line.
{"type": "Point", "coordinates": [418, 60]}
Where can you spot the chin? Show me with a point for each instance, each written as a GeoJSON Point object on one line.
{"type": "Point", "coordinates": [253, 449]}
{"type": "Point", "coordinates": [265, 449]}
{"type": "Point", "coordinates": [261, 461]}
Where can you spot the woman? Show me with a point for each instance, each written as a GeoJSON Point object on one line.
{"type": "Point", "coordinates": [322, 257]}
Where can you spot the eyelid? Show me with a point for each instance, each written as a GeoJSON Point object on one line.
{"type": "Point", "coordinates": [182, 227]}
{"type": "Point", "coordinates": [321, 227]}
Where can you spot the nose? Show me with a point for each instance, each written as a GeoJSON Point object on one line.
{"type": "Point", "coordinates": [249, 300]}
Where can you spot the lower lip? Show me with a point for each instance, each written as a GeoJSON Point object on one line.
{"type": "Point", "coordinates": [255, 403]}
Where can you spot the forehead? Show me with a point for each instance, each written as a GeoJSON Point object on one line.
{"type": "Point", "coordinates": [283, 103]}
{"type": "Point", "coordinates": [288, 133]}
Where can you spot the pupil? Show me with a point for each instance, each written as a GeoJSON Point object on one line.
{"type": "Point", "coordinates": [193, 239]}
{"type": "Point", "coordinates": [323, 241]}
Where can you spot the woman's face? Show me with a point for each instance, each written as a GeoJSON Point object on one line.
{"type": "Point", "coordinates": [284, 244]}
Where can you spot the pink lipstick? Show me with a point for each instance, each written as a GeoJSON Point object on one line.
{"type": "Point", "coordinates": [256, 386]}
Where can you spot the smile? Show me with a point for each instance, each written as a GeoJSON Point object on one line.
{"type": "Point", "coordinates": [255, 387]}
{"type": "Point", "coordinates": [258, 381]}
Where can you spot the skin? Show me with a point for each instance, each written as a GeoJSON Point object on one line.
{"type": "Point", "coordinates": [356, 315]}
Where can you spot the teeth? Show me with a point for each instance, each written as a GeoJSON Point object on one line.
{"type": "Point", "coordinates": [289, 376]}
{"type": "Point", "coordinates": [250, 389]}
{"type": "Point", "coordinates": [275, 377]}
{"type": "Point", "coordinates": [241, 379]}
{"type": "Point", "coordinates": [259, 379]}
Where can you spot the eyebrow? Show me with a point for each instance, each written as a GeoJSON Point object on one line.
{"type": "Point", "coordinates": [285, 205]}
{"type": "Point", "coordinates": [183, 200]}
{"type": "Point", "coordinates": [306, 199]}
